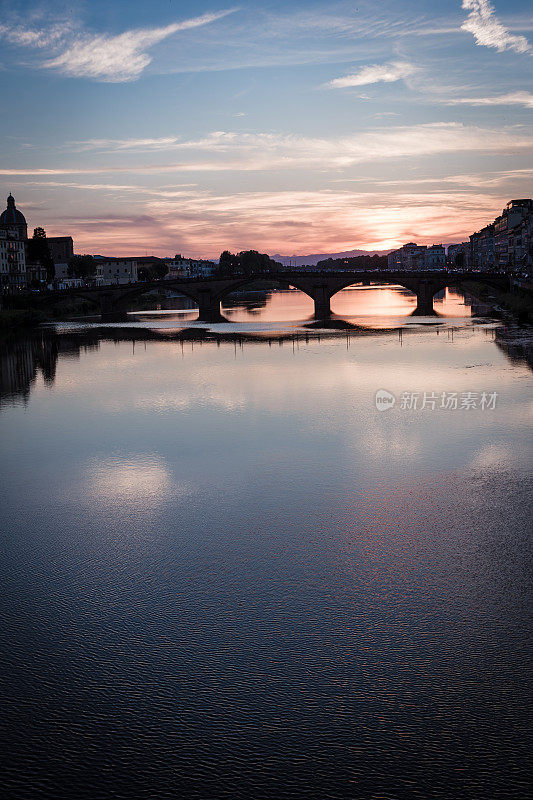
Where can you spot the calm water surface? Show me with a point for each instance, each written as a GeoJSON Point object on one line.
{"type": "Point", "coordinates": [226, 574]}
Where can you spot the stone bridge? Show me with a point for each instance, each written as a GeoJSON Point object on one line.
{"type": "Point", "coordinates": [208, 293]}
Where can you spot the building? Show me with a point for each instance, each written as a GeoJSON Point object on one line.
{"type": "Point", "coordinates": [179, 267]}
{"type": "Point", "coordinates": [519, 215]}
{"type": "Point", "coordinates": [520, 245]}
{"type": "Point", "coordinates": [410, 256]}
{"type": "Point", "coordinates": [12, 262]}
{"type": "Point", "coordinates": [69, 283]}
{"type": "Point", "coordinates": [512, 216]}
{"type": "Point", "coordinates": [482, 249]}
{"type": "Point", "coordinates": [458, 255]}
{"type": "Point", "coordinates": [13, 220]}
{"type": "Point", "coordinates": [13, 234]}
{"type": "Point", "coordinates": [60, 270]}
{"type": "Point", "coordinates": [505, 244]}
{"type": "Point", "coordinates": [36, 274]}
{"type": "Point", "coordinates": [417, 256]}
{"type": "Point", "coordinates": [434, 257]}
{"type": "Point", "coordinates": [116, 271]}
{"type": "Point", "coordinates": [61, 248]}
{"type": "Point", "coordinates": [452, 253]}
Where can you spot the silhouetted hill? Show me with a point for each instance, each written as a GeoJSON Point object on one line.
{"type": "Point", "coordinates": [355, 262]}
{"type": "Point", "coordinates": [313, 259]}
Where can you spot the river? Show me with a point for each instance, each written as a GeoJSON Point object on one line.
{"type": "Point", "coordinates": [229, 571]}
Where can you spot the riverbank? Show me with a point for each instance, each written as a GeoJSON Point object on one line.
{"type": "Point", "coordinates": [519, 303]}
{"type": "Point", "coordinates": [11, 319]}
{"type": "Point", "coordinates": [28, 311]}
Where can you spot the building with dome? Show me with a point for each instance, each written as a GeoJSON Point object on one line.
{"type": "Point", "coordinates": [13, 236]}
{"type": "Point", "coordinates": [14, 220]}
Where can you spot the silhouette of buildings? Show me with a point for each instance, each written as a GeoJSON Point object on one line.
{"type": "Point", "coordinates": [417, 256]}
{"type": "Point", "coordinates": [504, 245]}
{"type": "Point", "coordinates": [16, 268]}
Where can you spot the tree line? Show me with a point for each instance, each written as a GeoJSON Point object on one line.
{"type": "Point", "coordinates": [246, 262]}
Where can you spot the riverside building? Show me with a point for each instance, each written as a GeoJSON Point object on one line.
{"type": "Point", "coordinates": [506, 244]}
{"type": "Point", "coordinates": [116, 271]}
{"type": "Point", "coordinates": [417, 256]}
{"type": "Point", "coordinates": [13, 235]}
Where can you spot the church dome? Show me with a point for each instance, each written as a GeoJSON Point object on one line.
{"type": "Point", "coordinates": [12, 216]}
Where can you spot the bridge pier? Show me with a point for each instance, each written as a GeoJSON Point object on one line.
{"type": "Point", "coordinates": [209, 313]}
{"type": "Point", "coordinates": [322, 300]}
{"type": "Point", "coordinates": [108, 309]}
{"type": "Point", "coordinates": [114, 316]}
{"type": "Point", "coordinates": [424, 300]}
{"type": "Point", "coordinates": [208, 306]}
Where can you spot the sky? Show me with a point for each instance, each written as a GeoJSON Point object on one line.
{"type": "Point", "coordinates": [288, 127]}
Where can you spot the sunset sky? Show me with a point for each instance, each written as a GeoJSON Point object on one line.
{"type": "Point", "coordinates": [287, 126]}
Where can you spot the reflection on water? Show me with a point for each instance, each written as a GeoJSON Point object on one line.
{"type": "Point", "coordinates": [26, 360]}
{"type": "Point", "coordinates": [226, 574]}
{"type": "Point", "coordinates": [22, 360]}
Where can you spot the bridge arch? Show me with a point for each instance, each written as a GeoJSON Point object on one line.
{"type": "Point", "coordinates": [136, 291]}
{"type": "Point", "coordinates": [389, 281]}
{"type": "Point", "coordinates": [423, 285]}
{"type": "Point", "coordinates": [247, 282]}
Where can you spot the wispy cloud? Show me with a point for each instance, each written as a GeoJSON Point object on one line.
{"type": "Point", "coordinates": [162, 143]}
{"type": "Point", "coordinates": [487, 29]}
{"type": "Point", "coordinates": [278, 150]}
{"type": "Point", "coordinates": [101, 57]}
{"type": "Point", "coordinates": [485, 180]}
{"type": "Point", "coordinates": [376, 73]}
{"type": "Point", "coordinates": [510, 99]}
{"type": "Point", "coordinates": [234, 151]}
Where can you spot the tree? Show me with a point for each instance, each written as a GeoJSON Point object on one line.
{"type": "Point", "coordinates": [81, 266]}
{"type": "Point", "coordinates": [227, 263]}
{"type": "Point", "coordinates": [246, 262]}
{"type": "Point", "coordinates": [154, 271]}
{"type": "Point", "coordinates": [459, 259]}
{"type": "Point", "coordinates": [39, 252]}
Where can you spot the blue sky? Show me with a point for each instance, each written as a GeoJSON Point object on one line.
{"type": "Point", "coordinates": [291, 127]}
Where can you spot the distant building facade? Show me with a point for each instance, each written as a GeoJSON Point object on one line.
{"type": "Point", "coordinates": [506, 244]}
{"type": "Point", "coordinates": [179, 267]}
{"type": "Point", "coordinates": [12, 262]}
{"type": "Point", "coordinates": [458, 255]}
{"type": "Point", "coordinates": [69, 283]}
{"type": "Point", "coordinates": [435, 257]}
{"type": "Point", "coordinates": [417, 256]}
{"type": "Point", "coordinates": [407, 257]}
{"type": "Point", "coordinates": [61, 248]}
{"type": "Point", "coordinates": [116, 271]}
